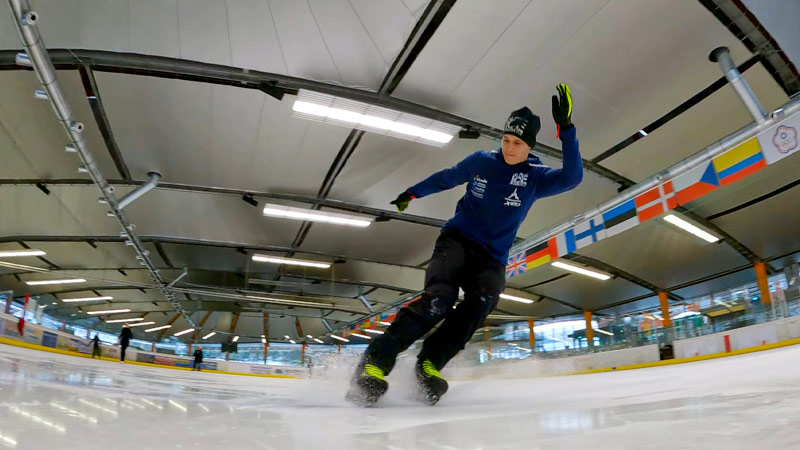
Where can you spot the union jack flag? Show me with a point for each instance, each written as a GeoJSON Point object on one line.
{"type": "Point", "coordinates": [516, 265]}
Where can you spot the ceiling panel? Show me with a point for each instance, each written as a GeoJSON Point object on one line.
{"type": "Point", "coordinates": [391, 242]}
{"type": "Point", "coordinates": [663, 254]}
{"type": "Point", "coordinates": [31, 137]}
{"type": "Point", "coordinates": [589, 293]}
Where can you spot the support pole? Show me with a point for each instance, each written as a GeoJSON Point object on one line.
{"type": "Point", "coordinates": [761, 278]}
{"type": "Point", "coordinates": [664, 301]}
{"type": "Point", "coordinates": [531, 336]}
{"type": "Point", "coordinates": [589, 330]}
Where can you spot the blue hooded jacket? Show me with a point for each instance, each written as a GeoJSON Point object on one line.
{"type": "Point", "coordinates": [499, 195]}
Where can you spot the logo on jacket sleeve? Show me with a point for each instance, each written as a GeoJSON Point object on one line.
{"type": "Point", "coordinates": [519, 179]}
{"type": "Point", "coordinates": [513, 200]}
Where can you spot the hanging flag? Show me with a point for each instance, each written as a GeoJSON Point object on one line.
{"type": "Point", "coordinates": [620, 218]}
{"type": "Point", "coordinates": [541, 253]}
{"type": "Point", "coordinates": [516, 265]}
{"type": "Point", "coordinates": [739, 162]}
{"type": "Point", "coordinates": [561, 244]}
{"type": "Point", "coordinates": [585, 233]}
{"type": "Point", "coordinates": [695, 183]}
{"type": "Point", "coordinates": [781, 140]}
{"type": "Point", "coordinates": [655, 202]}
{"type": "Point", "coordinates": [21, 323]}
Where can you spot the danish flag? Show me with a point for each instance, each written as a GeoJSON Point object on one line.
{"type": "Point", "coordinates": [655, 202]}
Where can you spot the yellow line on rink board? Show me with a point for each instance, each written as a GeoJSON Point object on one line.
{"type": "Point", "coordinates": [28, 345]}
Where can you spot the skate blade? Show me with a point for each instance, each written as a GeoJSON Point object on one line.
{"type": "Point", "coordinates": [358, 399]}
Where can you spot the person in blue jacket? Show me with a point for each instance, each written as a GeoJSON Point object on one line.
{"type": "Point", "coordinates": [472, 250]}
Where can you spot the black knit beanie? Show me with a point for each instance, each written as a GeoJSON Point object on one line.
{"type": "Point", "coordinates": [523, 124]}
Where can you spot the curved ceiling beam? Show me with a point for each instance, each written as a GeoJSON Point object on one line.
{"type": "Point", "coordinates": [181, 69]}
{"type": "Point", "coordinates": [197, 242]}
{"type": "Point", "coordinates": [596, 263]}
{"type": "Point", "coordinates": [381, 214]}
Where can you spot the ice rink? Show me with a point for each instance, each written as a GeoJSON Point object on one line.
{"type": "Point", "coordinates": [51, 401]}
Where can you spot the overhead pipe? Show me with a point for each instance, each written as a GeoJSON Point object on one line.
{"type": "Point", "coordinates": [722, 56]}
{"type": "Point", "coordinates": [365, 302]}
{"type": "Point", "coordinates": [37, 57]}
{"type": "Point", "coordinates": [696, 160]}
{"type": "Point", "coordinates": [179, 277]}
{"type": "Point", "coordinates": [140, 191]}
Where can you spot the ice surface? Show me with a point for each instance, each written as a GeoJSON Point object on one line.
{"type": "Point", "coordinates": [51, 401]}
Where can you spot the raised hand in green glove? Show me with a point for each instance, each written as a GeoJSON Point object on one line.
{"type": "Point", "coordinates": [403, 200]}
{"type": "Point", "coordinates": [562, 108]}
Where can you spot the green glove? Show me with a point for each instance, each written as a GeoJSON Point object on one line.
{"type": "Point", "coordinates": [562, 107]}
{"type": "Point", "coordinates": [403, 200]}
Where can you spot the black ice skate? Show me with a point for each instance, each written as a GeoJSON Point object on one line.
{"type": "Point", "coordinates": [430, 384]}
{"type": "Point", "coordinates": [367, 386]}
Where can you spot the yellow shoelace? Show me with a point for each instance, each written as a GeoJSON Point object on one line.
{"type": "Point", "coordinates": [372, 371]}
{"type": "Point", "coordinates": [430, 370]}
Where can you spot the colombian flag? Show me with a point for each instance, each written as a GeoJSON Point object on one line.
{"type": "Point", "coordinates": [739, 162]}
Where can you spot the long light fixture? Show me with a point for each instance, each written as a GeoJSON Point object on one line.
{"type": "Point", "coordinates": [373, 331]}
{"type": "Point", "coordinates": [209, 335]}
{"type": "Point", "coordinates": [326, 108]}
{"type": "Point", "coordinates": [339, 338]}
{"type": "Point", "coordinates": [292, 341]}
{"type": "Point", "coordinates": [110, 311]}
{"type": "Point", "coordinates": [162, 327]}
{"type": "Point", "coordinates": [581, 270]}
{"type": "Point", "coordinates": [263, 340]}
{"type": "Point", "coordinates": [603, 331]}
{"type": "Point", "coordinates": [86, 299]}
{"type": "Point", "coordinates": [65, 281]}
{"type": "Point", "coordinates": [516, 299]}
{"type": "Point", "coordinates": [141, 324]}
{"type": "Point", "coordinates": [181, 333]}
{"type": "Point", "coordinates": [289, 212]}
{"type": "Point", "coordinates": [317, 340]}
{"type": "Point", "coordinates": [386, 324]}
{"type": "Point", "coordinates": [364, 336]}
{"type": "Point", "coordinates": [290, 261]}
{"type": "Point", "coordinates": [11, 265]}
{"type": "Point", "coordinates": [19, 253]}
{"type": "Point", "coordinates": [135, 319]}
{"type": "Point", "coordinates": [236, 339]}
{"type": "Point", "coordinates": [686, 226]}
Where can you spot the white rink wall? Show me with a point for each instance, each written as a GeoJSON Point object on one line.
{"type": "Point", "coordinates": [740, 338]}
{"type": "Point", "coordinates": [536, 367]}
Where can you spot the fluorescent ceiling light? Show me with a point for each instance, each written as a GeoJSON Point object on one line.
{"type": "Point", "coordinates": [141, 324]}
{"type": "Point", "coordinates": [65, 281]}
{"type": "Point", "coordinates": [581, 270]}
{"type": "Point", "coordinates": [86, 299]}
{"type": "Point", "coordinates": [310, 336]}
{"type": "Point", "coordinates": [289, 212]}
{"type": "Point", "coordinates": [516, 299]}
{"type": "Point", "coordinates": [181, 333]}
{"type": "Point", "coordinates": [384, 323]}
{"type": "Point", "coordinates": [603, 331]}
{"type": "Point", "coordinates": [360, 335]}
{"type": "Point", "coordinates": [163, 327]}
{"type": "Point", "coordinates": [263, 340]}
{"type": "Point", "coordinates": [680, 223]}
{"type": "Point", "coordinates": [318, 341]}
{"type": "Point", "coordinates": [286, 336]}
{"type": "Point", "coordinates": [339, 338]}
{"type": "Point", "coordinates": [290, 261]}
{"type": "Point", "coordinates": [209, 335]}
{"type": "Point", "coordinates": [22, 267]}
{"type": "Point", "coordinates": [326, 108]}
{"type": "Point", "coordinates": [110, 311]}
{"type": "Point", "coordinates": [18, 253]}
{"type": "Point", "coordinates": [370, 330]}
{"type": "Point", "coordinates": [292, 341]}
{"type": "Point", "coordinates": [236, 339]}
{"type": "Point", "coordinates": [136, 319]}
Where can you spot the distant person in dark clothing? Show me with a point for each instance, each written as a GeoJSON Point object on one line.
{"type": "Point", "coordinates": [198, 358]}
{"type": "Point", "coordinates": [124, 340]}
{"type": "Point", "coordinates": [96, 346]}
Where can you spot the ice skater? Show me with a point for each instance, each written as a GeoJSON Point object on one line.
{"type": "Point", "coordinates": [124, 340]}
{"type": "Point", "coordinates": [472, 250]}
{"type": "Point", "coordinates": [96, 346]}
{"type": "Point", "coordinates": [198, 358]}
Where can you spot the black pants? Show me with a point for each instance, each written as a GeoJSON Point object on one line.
{"type": "Point", "coordinates": [124, 347]}
{"type": "Point", "coordinates": [196, 365]}
{"type": "Point", "coordinates": [96, 351]}
{"type": "Point", "coordinates": [457, 262]}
